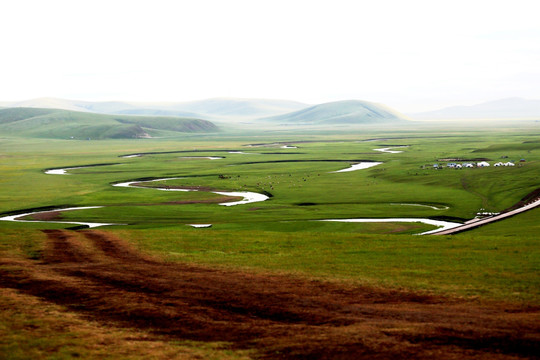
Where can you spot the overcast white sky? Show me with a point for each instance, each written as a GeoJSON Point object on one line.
{"type": "Point", "coordinates": [412, 55]}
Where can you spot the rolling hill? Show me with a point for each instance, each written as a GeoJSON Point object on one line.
{"type": "Point", "coordinates": [510, 108]}
{"type": "Point", "coordinates": [240, 107]}
{"type": "Point", "coordinates": [340, 112]}
{"type": "Point", "coordinates": [216, 108]}
{"type": "Point", "coordinates": [65, 124]}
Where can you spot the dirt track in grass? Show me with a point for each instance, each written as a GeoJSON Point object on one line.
{"type": "Point", "coordinates": [282, 317]}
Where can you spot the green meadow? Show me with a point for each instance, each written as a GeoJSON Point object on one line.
{"type": "Point", "coordinates": [282, 234]}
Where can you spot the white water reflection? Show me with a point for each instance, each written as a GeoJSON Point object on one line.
{"type": "Point", "coordinates": [60, 171]}
{"type": "Point", "coordinates": [359, 166]}
{"type": "Point", "coordinates": [423, 205]}
{"type": "Point", "coordinates": [63, 171]}
{"type": "Point", "coordinates": [203, 157]}
{"type": "Point", "coordinates": [130, 184]}
{"type": "Point", "coordinates": [200, 225]}
{"type": "Point", "coordinates": [17, 218]}
{"type": "Point", "coordinates": [387, 149]}
{"type": "Point", "coordinates": [248, 197]}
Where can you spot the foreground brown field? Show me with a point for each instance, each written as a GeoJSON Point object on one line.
{"type": "Point", "coordinates": [103, 279]}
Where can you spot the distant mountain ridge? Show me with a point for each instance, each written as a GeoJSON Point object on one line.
{"type": "Point", "coordinates": [509, 108]}
{"type": "Point", "coordinates": [341, 112]}
{"type": "Point", "coordinates": [67, 124]}
{"type": "Point", "coordinates": [231, 110]}
{"type": "Point", "coordinates": [212, 109]}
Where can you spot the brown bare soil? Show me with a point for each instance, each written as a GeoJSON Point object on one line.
{"type": "Point", "coordinates": [47, 216]}
{"type": "Point", "coordinates": [283, 317]}
{"type": "Point", "coordinates": [218, 200]}
{"type": "Point", "coordinates": [32, 328]}
{"type": "Point", "coordinates": [195, 188]}
{"type": "Point", "coordinates": [222, 199]}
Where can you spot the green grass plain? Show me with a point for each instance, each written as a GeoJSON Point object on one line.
{"type": "Point", "coordinates": [498, 261]}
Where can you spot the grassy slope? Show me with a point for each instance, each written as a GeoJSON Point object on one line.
{"type": "Point", "coordinates": [258, 231]}
{"type": "Point", "coordinates": [344, 112]}
{"type": "Point", "coordinates": [498, 261]}
{"type": "Point", "coordinates": [368, 193]}
{"type": "Point", "coordinates": [239, 107]}
{"type": "Point", "coordinates": [208, 108]}
{"type": "Point", "coordinates": [31, 328]}
{"type": "Point", "coordinates": [52, 123]}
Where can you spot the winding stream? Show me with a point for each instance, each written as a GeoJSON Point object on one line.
{"type": "Point", "coordinates": [203, 157]}
{"type": "Point", "coordinates": [388, 151]}
{"type": "Point", "coordinates": [89, 224]}
{"type": "Point", "coordinates": [422, 205]}
{"type": "Point", "coordinates": [60, 171]}
{"type": "Point", "coordinates": [359, 166]}
{"type": "Point", "coordinates": [247, 197]}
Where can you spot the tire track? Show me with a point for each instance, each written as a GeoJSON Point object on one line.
{"type": "Point", "coordinates": [63, 247]}
{"type": "Point", "coordinates": [284, 317]}
{"type": "Point", "coordinates": [113, 248]}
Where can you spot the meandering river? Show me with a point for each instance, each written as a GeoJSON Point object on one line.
{"type": "Point", "coordinates": [18, 217]}
{"type": "Point", "coordinates": [247, 198]}
{"type": "Point", "coordinates": [359, 166]}
{"type": "Point", "coordinates": [388, 151]}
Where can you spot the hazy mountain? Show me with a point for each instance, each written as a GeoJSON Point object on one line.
{"type": "Point", "coordinates": [46, 103]}
{"type": "Point", "coordinates": [66, 124]}
{"type": "Point", "coordinates": [74, 105]}
{"type": "Point", "coordinates": [511, 108]}
{"type": "Point", "coordinates": [158, 112]}
{"type": "Point", "coordinates": [210, 108]}
{"type": "Point", "coordinates": [340, 112]}
{"type": "Point", "coordinates": [240, 107]}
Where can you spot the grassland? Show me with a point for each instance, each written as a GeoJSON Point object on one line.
{"type": "Point", "coordinates": [495, 262]}
{"type": "Point", "coordinates": [303, 188]}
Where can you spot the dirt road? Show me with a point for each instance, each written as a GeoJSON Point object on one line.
{"type": "Point", "coordinates": [480, 222]}
{"type": "Point", "coordinates": [282, 317]}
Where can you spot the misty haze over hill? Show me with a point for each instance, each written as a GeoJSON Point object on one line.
{"type": "Point", "coordinates": [254, 113]}
{"type": "Point", "coordinates": [210, 109]}
{"type": "Point", "coordinates": [231, 109]}
{"type": "Point", "coordinates": [510, 108]}
{"type": "Point", "coordinates": [341, 112]}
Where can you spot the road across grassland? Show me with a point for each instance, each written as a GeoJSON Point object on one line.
{"type": "Point", "coordinates": [484, 221]}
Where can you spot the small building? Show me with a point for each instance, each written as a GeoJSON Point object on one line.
{"type": "Point", "coordinates": [482, 164]}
